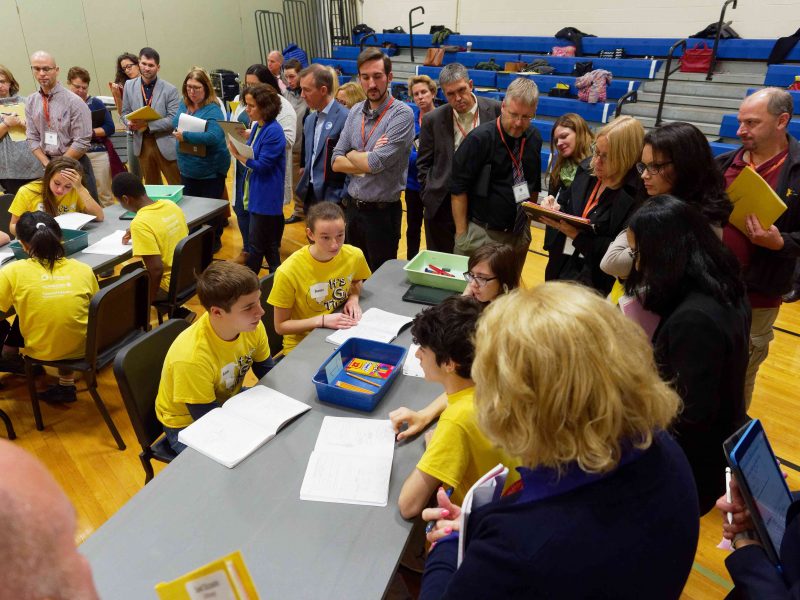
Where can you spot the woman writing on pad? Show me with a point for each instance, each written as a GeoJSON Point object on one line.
{"type": "Point", "coordinates": [318, 279]}
{"type": "Point", "coordinates": [51, 295]}
{"type": "Point", "coordinates": [60, 191]}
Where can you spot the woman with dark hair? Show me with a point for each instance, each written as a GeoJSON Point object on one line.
{"type": "Point", "coordinates": [492, 270]}
{"type": "Point", "coordinates": [287, 119]}
{"type": "Point", "coordinates": [51, 295]}
{"type": "Point", "coordinates": [127, 68]}
{"type": "Point", "coordinates": [262, 192]}
{"type": "Point", "coordinates": [676, 160]}
{"type": "Point", "coordinates": [18, 165]}
{"type": "Point", "coordinates": [684, 274]}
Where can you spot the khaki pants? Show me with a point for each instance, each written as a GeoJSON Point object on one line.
{"type": "Point", "coordinates": [761, 335]}
{"type": "Point", "coordinates": [153, 164]}
{"type": "Point", "coordinates": [476, 236]}
{"type": "Point", "coordinates": [102, 175]}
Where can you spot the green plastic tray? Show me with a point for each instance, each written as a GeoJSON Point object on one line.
{"type": "Point", "coordinates": [74, 241]}
{"type": "Point", "coordinates": [415, 270]}
{"type": "Point", "coordinates": [174, 193]}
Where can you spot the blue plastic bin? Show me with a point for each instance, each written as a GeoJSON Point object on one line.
{"type": "Point", "coordinates": [357, 348]}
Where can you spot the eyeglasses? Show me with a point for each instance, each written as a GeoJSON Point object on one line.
{"type": "Point", "coordinates": [519, 118]}
{"type": "Point", "coordinates": [43, 69]}
{"type": "Point", "coordinates": [600, 155]}
{"type": "Point", "coordinates": [128, 67]}
{"type": "Point", "coordinates": [194, 88]}
{"type": "Point", "coordinates": [479, 279]}
{"type": "Point", "coordinates": [652, 168]}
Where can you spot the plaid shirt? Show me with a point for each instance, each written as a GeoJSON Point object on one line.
{"type": "Point", "coordinates": [70, 119]}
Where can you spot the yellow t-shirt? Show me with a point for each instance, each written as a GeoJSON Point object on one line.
{"type": "Point", "coordinates": [156, 230]}
{"type": "Point", "coordinates": [52, 307]}
{"type": "Point", "coordinates": [29, 198]}
{"type": "Point", "coordinates": [310, 287]}
{"type": "Point", "coordinates": [459, 453]}
{"type": "Point", "coordinates": [201, 368]}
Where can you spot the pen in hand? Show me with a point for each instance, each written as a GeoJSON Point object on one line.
{"type": "Point", "coordinates": [728, 492]}
{"type": "Point", "coordinates": [431, 524]}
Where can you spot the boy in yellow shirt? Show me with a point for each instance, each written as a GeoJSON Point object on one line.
{"type": "Point", "coordinates": [318, 279]}
{"type": "Point", "coordinates": [458, 453]}
{"type": "Point", "coordinates": [155, 230]}
{"type": "Point", "coordinates": [207, 362]}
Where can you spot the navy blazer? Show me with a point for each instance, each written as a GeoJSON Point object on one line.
{"type": "Point", "coordinates": [631, 534]}
{"type": "Point", "coordinates": [337, 115]}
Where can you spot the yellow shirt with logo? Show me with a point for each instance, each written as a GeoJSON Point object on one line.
{"type": "Point", "coordinates": [201, 368]}
{"type": "Point", "coordinates": [29, 198]}
{"type": "Point", "coordinates": [52, 306]}
{"type": "Point", "coordinates": [155, 231]}
{"type": "Point", "coordinates": [310, 287]}
{"type": "Point", "coordinates": [459, 453]}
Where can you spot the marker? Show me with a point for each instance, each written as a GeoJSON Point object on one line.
{"type": "Point", "coordinates": [439, 271]}
{"type": "Point", "coordinates": [431, 524]}
{"type": "Point", "coordinates": [728, 492]}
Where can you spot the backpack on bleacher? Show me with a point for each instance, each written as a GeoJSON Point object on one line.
{"type": "Point", "coordinates": [488, 65]}
{"type": "Point", "coordinates": [582, 68]}
{"type": "Point", "coordinates": [397, 29]}
{"type": "Point", "coordinates": [296, 52]}
{"type": "Point", "coordinates": [361, 29]}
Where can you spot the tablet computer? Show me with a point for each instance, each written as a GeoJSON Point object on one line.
{"type": "Point", "coordinates": [422, 294]}
{"type": "Point", "coordinates": [762, 484]}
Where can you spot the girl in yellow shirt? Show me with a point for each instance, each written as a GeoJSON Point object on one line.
{"type": "Point", "coordinates": [59, 191]}
{"type": "Point", "coordinates": [51, 296]}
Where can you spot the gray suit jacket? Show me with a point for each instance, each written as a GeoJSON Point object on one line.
{"type": "Point", "coordinates": [435, 154]}
{"type": "Point", "coordinates": [165, 102]}
{"type": "Point", "coordinates": [337, 116]}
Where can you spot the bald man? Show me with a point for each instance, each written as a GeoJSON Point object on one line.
{"type": "Point", "coordinates": [275, 66]}
{"type": "Point", "coordinates": [38, 556]}
{"type": "Point", "coordinates": [58, 122]}
{"type": "Point", "coordinates": [767, 254]}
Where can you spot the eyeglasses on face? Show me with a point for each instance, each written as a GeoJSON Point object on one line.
{"type": "Point", "coordinates": [128, 67]}
{"type": "Point", "coordinates": [43, 69]}
{"type": "Point", "coordinates": [194, 88]}
{"type": "Point", "coordinates": [479, 279]}
{"type": "Point", "coordinates": [652, 168]}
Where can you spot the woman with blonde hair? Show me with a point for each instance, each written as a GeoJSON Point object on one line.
{"type": "Point", "coordinates": [350, 94]}
{"type": "Point", "coordinates": [608, 506]}
{"type": "Point", "coordinates": [606, 190]}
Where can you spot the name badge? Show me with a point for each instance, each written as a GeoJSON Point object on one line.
{"type": "Point", "coordinates": [569, 247]}
{"type": "Point", "coordinates": [521, 192]}
{"type": "Point", "coordinates": [50, 138]}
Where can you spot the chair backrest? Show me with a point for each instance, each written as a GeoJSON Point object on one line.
{"type": "Point", "coordinates": [268, 318]}
{"type": "Point", "coordinates": [5, 216]}
{"type": "Point", "coordinates": [117, 312]}
{"type": "Point", "coordinates": [192, 255]}
{"type": "Point", "coordinates": [137, 368]}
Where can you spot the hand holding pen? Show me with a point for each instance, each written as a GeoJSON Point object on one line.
{"type": "Point", "coordinates": [443, 520]}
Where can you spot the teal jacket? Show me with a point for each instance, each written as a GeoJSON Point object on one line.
{"type": "Point", "coordinates": [217, 160]}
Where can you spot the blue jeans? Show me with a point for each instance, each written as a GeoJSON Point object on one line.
{"type": "Point", "coordinates": [172, 438]}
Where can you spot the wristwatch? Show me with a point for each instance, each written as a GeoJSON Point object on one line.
{"type": "Point", "coordinates": [743, 535]}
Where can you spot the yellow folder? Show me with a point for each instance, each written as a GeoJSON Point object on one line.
{"type": "Point", "coordinates": [145, 113]}
{"type": "Point", "coordinates": [750, 194]}
{"type": "Point", "coordinates": [224, 578]}
{"type": "Point", "coordinates": [16, 133]}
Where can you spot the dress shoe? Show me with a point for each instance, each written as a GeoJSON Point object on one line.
{"type": "Point", "coordinates": [792, 296]}
{"type": "Point", "coordinates": [293, 219]}
{"type": "Point", "coordinates": [59, 394]}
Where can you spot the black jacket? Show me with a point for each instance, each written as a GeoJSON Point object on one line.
{"type": "Point", "coordinates": [770, 272]}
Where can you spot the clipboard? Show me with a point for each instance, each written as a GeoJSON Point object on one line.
{"type": "Point", "coordinates": [536, 212]}
{"type": "Point", "coordinates": [750, 194]}
{"type": "Point", "coordinates": [98, 117]}
{"type": "Point", "coordinates": [234, 128]}
{"type": "Point", "coordinates": [145, 113]}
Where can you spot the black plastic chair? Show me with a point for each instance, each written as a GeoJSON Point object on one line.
{"type": "Point", "coordinates": [118, 314]}
{"type": "Point", "coordinates": [138, 372]}
{"type": "Point", "coordinates": [192, 255]}
{"type": "Point", "coordinates": [268, 318]}
{"type": "Point", "coordinates": [5, 216]}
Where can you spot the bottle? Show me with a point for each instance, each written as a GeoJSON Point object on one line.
{"type": "Point", "coordinates": [469, 46]}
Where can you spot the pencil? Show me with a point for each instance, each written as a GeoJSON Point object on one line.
{"type": "Point", "coordinates": [354, 388]}
{"type": "Point", "coordinates": [363, 379]}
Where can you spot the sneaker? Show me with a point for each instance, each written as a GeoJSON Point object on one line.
{"type": "Point", "coordinates": [59, 394]}
{"type": "Point", "coordinates": [13, 364]}
{"type": "Point", "coordinates": [184, 313]}
{"type": "Point", "coordinates": [293, 219]}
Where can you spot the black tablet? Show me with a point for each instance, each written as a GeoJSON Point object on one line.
{"type": "Point", "coordinates": [762, 484]}
{"type": "Point", "coordinates": [422, 294]}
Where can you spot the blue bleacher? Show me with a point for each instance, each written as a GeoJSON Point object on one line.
{"type": "Point", "coordinates": [718, 148]}
{"type": "Point", "coordinates": [795, 97]}
{"type": "Point", "coordinates": [617, 88]}
{"type": "Point", "coordinates": [348, 67]}
{"type": "Point", "coordinates": [470, 59]}
{"type": "Point", "coordinates": [781, 75]}
{"type": "Point", "coordinates": [730, 125]}
{"type": "Point", "coordinates": [479, 78]}
{"type": "Point", "coordinates": [602, 112]}
{"type": "Point", "coordinates": [352, 52]}
{"type": "Point", "coordinates": [636, 68]}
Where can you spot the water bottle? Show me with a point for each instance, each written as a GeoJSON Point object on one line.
{"type": "Point", "coordinates": [469, 46]}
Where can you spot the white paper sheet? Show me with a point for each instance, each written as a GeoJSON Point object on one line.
{"type": "Point", "coordinates": [412, 367]}
{"type": "Point", "coordinates": [110, 245]}
{"type": "Point", "coordinates": [74, 220]}
{"type": "Point", "coordinates": [241, 147]}
{"type": "Point", "coordinates": [6, 255]}
{"type": "Point", "coordinates": [191, 124]}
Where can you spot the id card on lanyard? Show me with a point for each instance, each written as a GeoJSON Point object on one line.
{"type": "Point", "coordinates": [365, 137]}
{"type": "Point", "coordinates": [520, 187]}
{"type": "Point", "coordinates": [50, 135]}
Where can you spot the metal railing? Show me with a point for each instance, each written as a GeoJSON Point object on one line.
{"type": "Point", "coordinates": [710, 74]}
{"type": "Point", "coordinates": [411, 27]}
{"type": "Point", "coordinates": [301, 29]}
{"type": "Point", "coordinates": [342, 18]}
{"type": "Point", "coordinates": [667, 73]}
{"type": "Point", "coordinates": [629, 97]}
{"type": "Point", "coordinates": [271, 32]}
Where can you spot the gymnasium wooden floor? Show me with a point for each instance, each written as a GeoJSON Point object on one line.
{"type": "Point", "coordinates": [99, 479]}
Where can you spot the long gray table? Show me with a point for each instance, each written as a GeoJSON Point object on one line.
{"type": "Point", "coordinates": [196, 510]}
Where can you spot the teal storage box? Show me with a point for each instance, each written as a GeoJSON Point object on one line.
{"type": "Point", "coordinates": [457, 265]}
{"type": "Point", "coordinates": [333, 370]}
{"type": "Point", "coordinates": [165, 192]}
{"type": "Point", "coordinates": [74, 241]}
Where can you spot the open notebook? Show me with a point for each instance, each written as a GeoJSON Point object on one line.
{"type": "Point", "coordinates": [351, 462]}
{"type": "Point", "coordinates": [243, 424]}
{"type": "Point", "coordinates": [375, 324]}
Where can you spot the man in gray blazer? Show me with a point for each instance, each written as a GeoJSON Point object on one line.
{"type": "Point", "coordinates": [152, 141]}
{"type": "Point", "coordinates": [441, 134]}
{"type": "Point", "coordinates": [320, 134]}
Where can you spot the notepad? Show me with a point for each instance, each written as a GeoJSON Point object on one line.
{"type": "Point", "coordinates": [111, 245]}
{"type": "Point", "coordinates": [412, 367]}
{"type": "Point", "coordinates": [537, 213]}
{"type": "Point", "coordinates": [226, 578]}
{"type": "Point", "coordinates": [750, 194]}
{"type": "Point", "coordinates": [146, 113]}
{"type": "Point", "coordinates": [351, 462]}
{"type": "Point", "coordinates": [74, 220]}
{"type": "Point", "coordinates": [484, 491]}
{"type": "Point", "coordinates": [241, 147]}
{"type": "Point", "coordinates": [16, 133]}
{"type": "Point", "coordinates": [242, 425]}
{"type": "Point", "coordinates": [191, 124]}
{"type": "Point", "coordinates": [375, 324]}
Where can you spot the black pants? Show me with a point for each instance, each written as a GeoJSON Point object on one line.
{"type": "Point", "coordinates": [11, 186]}
{"type": "Point", "coordinates": [413, 222]}
{"type": "Point", "coordinates": [440, 229]}
{"type": "Point", "coordinates": [375, 231]}
{"type": "Point", "coordinates": [208, 188]}
{"type": "Point", "coordinates": [89, 181]}
{"type": "Point", "coordinates": [266, 232]}
{"type": "Point", "coordinates": [310, 199]}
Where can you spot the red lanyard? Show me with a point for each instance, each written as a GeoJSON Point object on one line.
{"type": "Point", "coordinates": [517, 162]}
{"type": "Point", "coordinates": [474, 123]}
{"type": "Point", "coordinates": [144, 96]}
{"type": "Point", "coordinates": [767, 173]}
{"type": "Point", "coordinates": [364, 140]}
{"type": "Point", "coordinates": [594, 198]}
{"type": "Point", "coordinates": [46, 107]}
